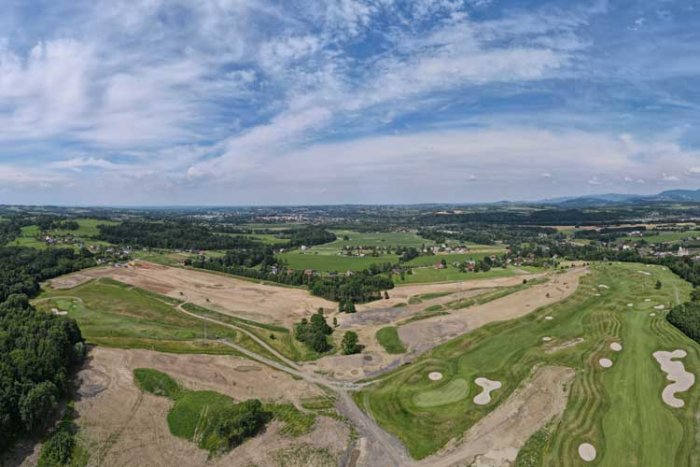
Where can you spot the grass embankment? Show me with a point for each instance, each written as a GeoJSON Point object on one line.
{"type": "Point", "coordinates": [619, 410]}
{"type": "Point", "coordinates": [388, 338]}
{"type": "Point", "coordinates": [113, 314]}
{"type": "Point", "coordinates": [214, 421]}
{"type": "Point", "coordinates": [277, 337]}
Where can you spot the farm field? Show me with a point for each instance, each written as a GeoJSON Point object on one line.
{"type": "Point", "coordinates": [333, 263]}
{"type": "Point", "coordinates": [667, 237]}
{"type": "Point", "coordinates": [370, 239]}
{"type": "Point", "coordinates": [85, 233]}
{"type": "Point", "coordinates": [624, 429]}
{"type": "Point", "coordinates": [425, 275]}
{"type": "Point", "coordinates": [450, 258]}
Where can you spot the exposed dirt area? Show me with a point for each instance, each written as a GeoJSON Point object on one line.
{"type": "Point", "coordinates": [496, 439]}
{"type": "Point", "coordinates": [260, 302]}
{"type": "Point", "coordinates": [421, 335]}
{"type": "Point", "coordinates": [402, 293]}
{"type": "Point", "coordinates": [127, 427]}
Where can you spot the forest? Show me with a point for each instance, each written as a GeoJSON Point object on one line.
{"type": "Point", "coordinates": [38, 351]}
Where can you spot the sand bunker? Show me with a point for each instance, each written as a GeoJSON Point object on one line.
{"type": "Point", "coordinates": [652, 314]}
{"type": "Point", "coordinates": [645, 273]}
{"type": "Point", "coordinates": [487, 385]}
{"type": "Point", "coordinates": [546, 338]}
{"type": "Point", "coordinates": [681, 380]}
{"type": "Point", "coordinates": [587, 452]}
{"type": "Point", "coordinates": [616, 346]}
{"type": "Point", "coordinates": [605, 362]}
{"type": "Point", "coordinates": [647, 299]}
{"type": "Point", "coordinates": [596, 295]}
{"type": "Point", "coordinates": [603, 286]}
{"type": "Point", "coordinates": [659, 307]}
{"type": "Point", "coordinates": [548, 318]}
{"type": "Point", "coordinates": [630, 304]}
{"type": "Point", "coordinates": [435, 376]}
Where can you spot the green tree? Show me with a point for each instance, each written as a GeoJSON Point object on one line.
{"type": "Point", "coordinates": [38, 405]}
{"type": "Point", "coordinates": [349, 344]}
{"type": "Point", "coordinates": [658, 285]}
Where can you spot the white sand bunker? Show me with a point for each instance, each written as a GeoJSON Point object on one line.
{"type": "Point", "coordinates": [646, 273]}
{"type": "Point", "coordinates": [435, 376]}
{"type": "Point", "coordinates": [596, 295]}
{"type": "Point", "coordinates": [605, 362]}
{"type": "Point", "coordinates": [647, 299]}
{"type": "Point", "coordinates": [659, 307]}
{"type": "Point", "coordinates": [546, 338]}
{"type": "Point", "coordinates": [548, 318]}
{"type": "Point", "coordinates": [587, 452]}
{"type": "Point", "coordinates": [616, 346]}
{"type": "Point", "coordinates": [630, 304]}
{"type": "Point", "coordinates": [487, 385]}
{"type": "Point", "coordinates": [652, 314]}
{"type": "Point", "coordinates": [603, 286]}
{"type": "Point", "coordinates": [681, 380]}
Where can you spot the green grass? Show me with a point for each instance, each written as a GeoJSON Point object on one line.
{"type": "Point", "coordinates": [618, 410]}
{"type": "Point", "coordinates": [666, 237]}
{"type": "Point", "coordinates": [431, 260]}
{"type": "Point", "coordinates": [451, 274]}
{"type": "Point", "coordinates": [370, 239]}
{"type": "Point", "coordinates": [388, 337]}
{"type": "Point", "coordinates": [333, 263]}
{"type": "Point", "coordinates": [453, 391]}
{"type": "Point", "coordinates": [114, 314]}
{"type": "Point", "coordinates": [157, 383]}
{"type": "Point", "coordinates": [278, 337]}
{"type": "Point", "coordinates": [195, 414]}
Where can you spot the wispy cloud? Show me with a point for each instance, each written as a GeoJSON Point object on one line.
{"type": "Point", "coordinates": [215, 99]}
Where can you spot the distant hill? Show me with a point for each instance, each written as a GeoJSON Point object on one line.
{"type": "Point", "coordinates": [681, 196]}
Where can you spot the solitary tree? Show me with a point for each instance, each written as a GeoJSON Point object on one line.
{"type": "Point", "coordinates": [658, 285]}
{"type": "Point", "coordinates": [349, 344]}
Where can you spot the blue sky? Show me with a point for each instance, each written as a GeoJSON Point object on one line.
{"type": "Point", "coordinates": [233, 102]}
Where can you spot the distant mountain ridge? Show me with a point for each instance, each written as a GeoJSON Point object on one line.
{"type": "Point", "coordinates": [681, 196]}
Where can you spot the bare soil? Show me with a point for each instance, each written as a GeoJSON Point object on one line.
{"type": "Point", "coordinates": [127, 427]}
{"type": "Point", "coordinates": [421, 335]}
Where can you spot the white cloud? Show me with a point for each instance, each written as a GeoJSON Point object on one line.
{"type": "Point", "coordinates": [670, 178]}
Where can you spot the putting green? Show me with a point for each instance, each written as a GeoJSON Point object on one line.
{"type": "Point", "coordinates": [618, 410]}
{"type": "Point", "coordinates": [453, 391]}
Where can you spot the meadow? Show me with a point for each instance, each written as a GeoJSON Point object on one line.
{"type": "Point", "coordinates": [86, 233]}
{"type": "Point", "coordinates": [333, 263]}
{"type": "Point", "coordinates": [425, 275]}
{"type": "Point", "coordinates": [619, 409]}
{"type": "Point", "coordinates": [114, 314]}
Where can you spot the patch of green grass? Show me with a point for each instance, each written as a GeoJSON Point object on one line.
{"type": "Point", "coordinates": [433, 308]}
{"type": "Point", "coordinates": [424, 315]}
{"type": "Point", "coordinates": [453, 391]}
{"type": "Point", "coordinates": [388, 337]}
{"type": "Point", "coordinates": [492, 295]}
{"type": "Point", "coordinates": [430, 296]}
{"type": "Point", "coordinates": [157, 383]}
{"type": "Point", "coordinates": [333, 263]}
{"type": "Point", "coordinates": [619, 410]}
{"type": "Point", "coordinates": [451, 274]}
{"type": "Point", "coordinates": [530, 455]}
{"type": "Point", "coordinates": [295, 456]}
{"type": "Point", "coordinates": [431, 260]}
{"type": "Point", "coordinates": [114, 314]}
{"type": "Point", "coordinates": [294, 422]}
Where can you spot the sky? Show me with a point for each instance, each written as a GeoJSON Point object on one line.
{"type": "Point", "coordinates": [257, 102]}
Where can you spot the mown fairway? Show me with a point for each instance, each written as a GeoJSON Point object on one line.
{"type": "Point", "coordinates": [619, 410]}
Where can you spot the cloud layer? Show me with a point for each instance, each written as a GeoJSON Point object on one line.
{"type": "Point", "coordinates": [268, 102]}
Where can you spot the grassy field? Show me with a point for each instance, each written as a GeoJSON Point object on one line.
{"type": "Point", "coordinates": [370, 239]}
{"type": "Point", "coordinates": [388, 338]}
{"type": "Point", "coordinates": [451, 274]}
{"type": "Point", "coordinates": [619, 410]}
{"type": "Point", "coordinates": [113, 314]}
{"type": "Point", "coordinates": [86, 233]}
{"type": "Point", "coordinates": [450, 258]}
{"type": "Point", "coordinates": [333, 263]}
{"type": "Point", "coordinates": [667, 237]}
